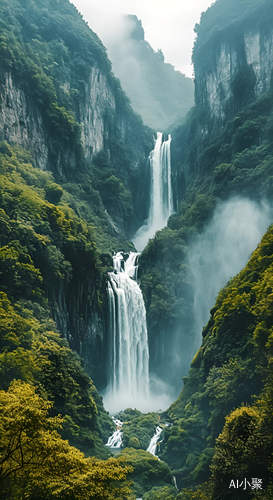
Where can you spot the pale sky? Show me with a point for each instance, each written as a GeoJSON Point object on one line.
{"type": "Point", "coordinates": [168, 24]}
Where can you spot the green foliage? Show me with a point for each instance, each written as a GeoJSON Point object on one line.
{"type": "Point", "coordinates": [49, 54]}
{"type": "Point", "coordinates": [45, 248]}
{"type": "Point", "coordinates": [35, 461]}
{"type": "Point", "coordinates": [44, 54]}
{"type": "Point", "coordinates": [158, 493]}
{"type": "Point", "coordinates": [210, 167]}
{"type": "Point", "coordinates": [234, 161]}
{"type": "Point", "coordinates": [148, 471]}
{"type": "Point", "coordinates": [17, 272]}
{"type": "Point", "coordinates": [138, 430]}
{"type": "Point", "coordinates": [203, 492]}
{"type": "Point", "coordinates": [53, 192]}
{"type": "Point", "coordinates": [237, 346]}
{"type": "Point", "coordinates": [30, 352]}
{"type": "Point", "coordinates": [116, 197]}
{"type": "Point", "coordinates": [37, 233]}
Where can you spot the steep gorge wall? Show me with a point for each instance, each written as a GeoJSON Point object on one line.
{"type": "Point", "coordinates": [60, 100]}
{"type": "Point", "coordinates": [20, 124]}
{"type": "Point", "coordinates": [234, 61]}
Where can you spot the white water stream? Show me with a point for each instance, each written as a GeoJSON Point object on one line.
{"type": "Point", "coordinates": [115, 440]}
{"type": "Point", "coordinates": [161, 197]}
{"type": "Point", "coordinates": [153, 443]}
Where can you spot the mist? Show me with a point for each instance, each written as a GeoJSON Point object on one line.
{"type": "Point", "coordinates": [214, 257]}
{"type": "Point", "coordinates": [222, 250]}
{"type": "Point", "coordinates": [160, 398]}
{"type": "Point", "coordinates": [168, 26]}
{"type": "Point", "coordinates": [159, 93]}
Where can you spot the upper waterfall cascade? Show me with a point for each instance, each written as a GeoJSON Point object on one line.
{"type": "Point", "coordinates": [161, 196]}
{"type": "Point", "coordinates": [129, 383]}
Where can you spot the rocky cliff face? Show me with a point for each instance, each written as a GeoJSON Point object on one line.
{"type": "Point", "coordinates": [102, 121]}
{"type": "Point", "coordinates": [98, 100]}
{"type": "Point", "coordinates": [234, 63]}
{"type": "Point", "coordinates": [61, 102]}
{"type": "Point", "coordinates": [83, 322]}
{"type": "Point", "coordinates": [21, 123]}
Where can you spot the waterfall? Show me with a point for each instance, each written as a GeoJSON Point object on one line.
{"type": "Point", "coordinates": [153, 443]}
{"type": "Point", "coordinates": [115, 440]}
{"type": "Point", "coordinates": [161, 197]}
{"type": "Point", "coordinates": [129, 363]}
{"type": "Point", "coordinates": [129, 383]}
{"type": "Point", "coordinates": [175, 483]}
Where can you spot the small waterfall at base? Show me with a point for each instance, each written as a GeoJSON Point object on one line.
{"type": "Point", "coordinates": [161, 197]}
{"type": "Point", "coordinates": [115, 440]}
{"type": "Point", "coordinates": [175, 483]}
{"type": "Point", "coordinates": [129, 383]}
{"type": "Point", "coordinates": [153, 443]}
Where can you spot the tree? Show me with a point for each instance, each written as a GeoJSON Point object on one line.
{"type": "Point", "coordinates": [35, 462]}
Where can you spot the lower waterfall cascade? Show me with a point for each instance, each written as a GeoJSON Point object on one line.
{"type": "Point", "coordinates": [129, 383]}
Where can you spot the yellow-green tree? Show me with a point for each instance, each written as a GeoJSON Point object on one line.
{"type": "Point", "coordinates": [35, 462]}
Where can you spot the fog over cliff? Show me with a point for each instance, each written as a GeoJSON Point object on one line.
{"type": "Point", "coordinates": [222, 250]}
{"type": "Point", "coordinates": [159, 93]}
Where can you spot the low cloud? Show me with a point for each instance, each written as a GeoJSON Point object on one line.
{"type": "Point", "coordinates": [168, 26]}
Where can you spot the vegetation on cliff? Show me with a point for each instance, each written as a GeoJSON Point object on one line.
{"type": "Point", "coordinates": [222, 419]}
{"type": "Point", "coordinates": [220, 19]}
{"type": "Point", "coordinates": [45, 394]}
{"type": "Point", "coordinates": [52, 237]}
{"type": "Point", "coordinates": [138, 428]}
{"type": "Point", "coordinates": [35, 462]}
{"type": "Point", "coordinates": [44, 247]}
{"type": "Point", "coordinates": [235, 162]}
{"type": "Point", "coordinates": [222, 424]}
{"type": "Point", "coordinates": [222, 427]}
{"type": "Point", "coordinates": [147, 472]}
{"type": "Point", "coordinates": [50, 53]}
